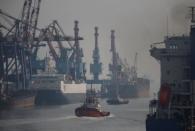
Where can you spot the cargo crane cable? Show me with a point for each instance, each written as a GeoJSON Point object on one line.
{"type": "Point", "coordinates": [50, 30]}
{"type": "Point", "coordinates": [35, 15]}
{"type": "Point", "coordinates": [40, 38]}
{"type": "Point", "coordinates": [49, 33]}
{"type": "Point", "coordinates": [72, 47]}
{"type": "Point", "coordinates": [57, 28]}
{"type": "Point", "coordinates": [25, 28]}
{"type": "Point", "coordinates": [61, 47]}
{"type": "Point", "coordinates": [57, 34]}
{"type": "Point", "coordinates": [56, 22]}
{"type": "Point", "coordinates": [45, 34]}
{"type": "Point", "coordinates": [53, 52]}
{"type": "Point", "coordinates": [4, 27]}
{"type": "Point", "coordinates": [34, 21]}
{"type": "Point", "coordinates": [17, 20]}
{"type": "Point", "coordinates": [8, 21]}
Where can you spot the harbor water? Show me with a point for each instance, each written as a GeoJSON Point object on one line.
{"type": "Point", "coordinates": [127, 117]}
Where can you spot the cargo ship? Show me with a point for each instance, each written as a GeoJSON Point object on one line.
{"type": "Point", "coordinates": [174, 108]}
{"type": "Point", "coordinates": [55, 89]}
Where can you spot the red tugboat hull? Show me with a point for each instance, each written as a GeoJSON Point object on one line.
{"type": "Point", "coordinates": [90, 112]}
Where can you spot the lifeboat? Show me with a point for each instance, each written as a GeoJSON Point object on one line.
{"type": "Point", "coordinates": [164, 95]}
{"type": "Point", "coordinates": [91, 108]}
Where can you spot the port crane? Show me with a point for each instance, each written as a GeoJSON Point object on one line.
{"type": "Point", "coordinates": [115, 68]}
{"type": "Point", "coordinates": [96, 67]}
{"type": "Point", "coordinates": [69, 59]}
{"type": "Point", "coordinates": [133, 70]}
{"type": "Point", "coordinates": [15, 47]}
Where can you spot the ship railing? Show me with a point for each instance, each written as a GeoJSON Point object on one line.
{"type": "Point", "coordinates": [170, 52]}
{"type": "Point", "coordinates": [164, 48]}
{"type": "Point", "coordinates": [159, 45]}
{"type": "Point", "coordinates": [153, 107]}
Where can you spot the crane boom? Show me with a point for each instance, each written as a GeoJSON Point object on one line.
{"type": "Point", "coordinates": [35, 16]}
{"type": "Point", "coordinates": [24, 29]}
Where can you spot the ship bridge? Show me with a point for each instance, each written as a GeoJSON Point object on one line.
{"type": "Point", "coordinates": [171, 46]}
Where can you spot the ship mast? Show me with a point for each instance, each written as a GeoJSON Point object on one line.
{"type": "Point", "coordinates": [192, 40]}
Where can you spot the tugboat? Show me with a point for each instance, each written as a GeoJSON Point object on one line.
{"type": "Point", "coordinates": [91, 107]}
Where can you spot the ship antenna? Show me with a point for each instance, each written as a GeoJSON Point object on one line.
{"type": "Point", "coordinates": [167, 26]}
{"type": "Point", "coordinates": [192, 14]}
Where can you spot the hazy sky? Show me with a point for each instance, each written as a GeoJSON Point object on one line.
{"type": "Point", "coordinates": [138, 23]}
